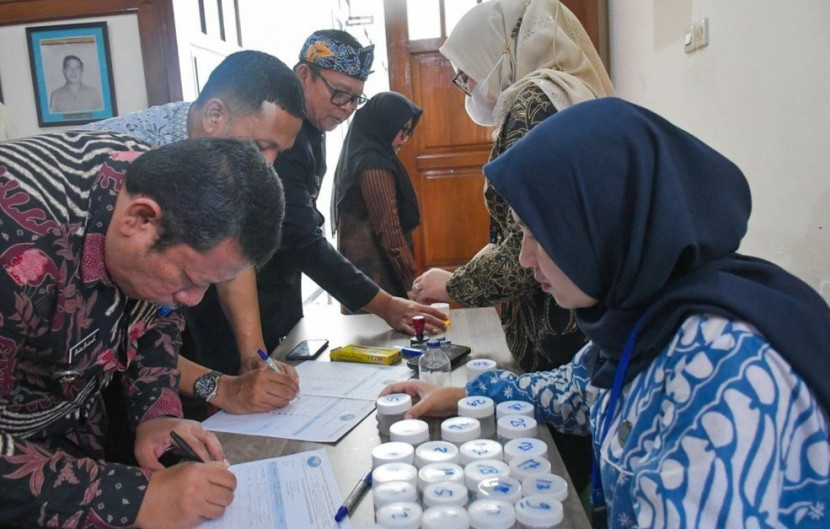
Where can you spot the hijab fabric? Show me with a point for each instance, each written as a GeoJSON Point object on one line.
{"type": "Point", "coordinates": [646, 218]}
{"type": "Point", "coordinates": [368, 145]}
{"type": "Point", "coordinates": [546, 46]}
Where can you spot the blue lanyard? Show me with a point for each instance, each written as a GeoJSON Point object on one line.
{"type": "Point", "coordinates": [600, 518]}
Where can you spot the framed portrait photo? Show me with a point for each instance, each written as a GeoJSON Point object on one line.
{"type": "Point", "coordinates": [72, 73]}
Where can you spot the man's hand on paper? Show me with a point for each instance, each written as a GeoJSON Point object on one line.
{"type": "Point", "coordinates": [257, 391]}
{"type": "Point", "coordinates": [152, 440]}
{"type": "Point", "coordinates": [428, 400]}
{"type": "Point", "coordinates": [186, 494]}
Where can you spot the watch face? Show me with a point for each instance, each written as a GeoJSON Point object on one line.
{"type": "Point", "coordinates": [205, 386]}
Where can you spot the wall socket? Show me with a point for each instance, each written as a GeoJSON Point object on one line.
{"type": "Point", "coordinates": [696, 35]}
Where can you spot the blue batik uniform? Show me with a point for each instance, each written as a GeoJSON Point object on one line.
{"type": "Point", "coordinates": [718, 431]}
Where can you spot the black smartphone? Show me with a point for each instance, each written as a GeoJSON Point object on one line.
{"type": "Point", "coordinates": [456, 353]}
{"type": "Point", "coordinates": [307, 349]}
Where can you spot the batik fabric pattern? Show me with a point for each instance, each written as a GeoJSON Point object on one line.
{"type": "Point", "coordinates": [65, 329]}
{"type": "Point", "coordinates": [540, 334]}
{"type": "Point", "coordinates": [157, 125]}
{"type": "Point", "coordinates": [718, 431]}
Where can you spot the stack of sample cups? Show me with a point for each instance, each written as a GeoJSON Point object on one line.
{"type": "Point", "coordinates": [477, 366]}
{"type": "Point", "coordinates": [436, 452]}
{"type": "Point", "coordinates": [445, 493]}
{"type": "Point", "coordinates": [482, 469]}
{"type": "Point", "coordinates": [525, 446]}
{"type": "Point", "coordinates": [459, 430]}
{"type": "Point", "coordinates": [391, 409]}
{"type": "Point", "coordinates": [547, 485]}
{"type": "Point", "coordinates": [539, 512]}
{"type": "Point", "coordinates": [400, 515]}
{"type": "Point", "coordinates": [511, 427]}
{"type": "Point", "coordinates": [483, 409]}
{"type": "Point", "coordinates": [392, 452]}
{"type": "Point", "coordinates": [412, 431]}
{"type": "Point", "coordinates": [504, 488]}
{"type": "Point", "coordinates": [393, 492]}
{"type": "Point", "coordinates": [480, 449]}
{"type": "Point", "coordinates": [514, 407]}
{"type": "Point", "coordinates": [526, 466]}
{"type": "Point", "coordinates": [394, 472]}
{"type": "Point", "coordinates": [445, 517]}
{"type": "Point", "coordinates": [491, 514]}
{"type": "Point", "coordinates": [436, 472]}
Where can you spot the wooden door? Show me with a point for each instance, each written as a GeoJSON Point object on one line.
{"type": "Point", "coordinates": [446, 153]}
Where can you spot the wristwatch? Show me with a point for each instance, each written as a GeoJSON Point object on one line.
{"type": "Point", "coordinates": [207, 385]}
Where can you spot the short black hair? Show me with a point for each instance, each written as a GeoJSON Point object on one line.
{"type": "Point", "coordinates": [246, 79]}
{"type": "Point", "coordinates": [209, 190]}
{"type": "Point", "coordinates": [72, 58]}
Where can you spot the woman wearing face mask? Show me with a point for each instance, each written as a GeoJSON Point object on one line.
{"type": "Point", "coordinates": [519, 62]}
{"type": "Point", "coordinates": [374, 208]}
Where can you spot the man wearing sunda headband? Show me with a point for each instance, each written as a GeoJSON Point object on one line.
{"type": "Point", "coordinates": [332, 68]}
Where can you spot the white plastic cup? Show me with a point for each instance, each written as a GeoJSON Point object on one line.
{"type": "Point", "coordinates": [436, 452]}
{"type": "Point", "coordinates": [394, 472]}
{"type": "Point", "coordinates": [400, 515]}
{"type": "Point", "coordinates": [412, 431]}
{"type": "Point", "coordinates": [436, 472]}
{"type": "Point", "coordinates": [491, 514]}
{"type": "Point", "coordinates": [391, 409]}
{"type": "Point", "coordinates": [480, 449]}
{"type": "Point", "coordinates": [482, 469]}
{"type": "Point", "coordinates": [514, 407]}
{"type": "Point", "coordinates": [445, 308]}
{"type": "Point", "coordinates": [445, 517]}
{"type": "Point", "coordinates": [539, 512]}
{"type": "Point", "coordinates": [502, 488]}
{"type": "Point", "coordinates": [445, 493]}
{"type": "Point", "coordinates": [392, 452]}
{"type": "Point", "coordinates": [394, 492]}
{"type": "Point", "coordinates": [527, 466]}
{"type": "Point", "coordinates": [525, 446]}
{"type": "Point", "coordinates": [459, 430]}
{"type": "Point", "coordinates": [477, 366]}
{"type": "Point", "coordinates": [546, 485]}
{"type": "Point", "coordinates": [511, 427]}
{"type": "Point", "coordinates": [483, 409]}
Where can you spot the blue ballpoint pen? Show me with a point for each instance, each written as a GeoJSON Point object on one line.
{"type": "Point", "coordinates": [354, 497]}
{"type": "Point", "coordinates": [268, 360]}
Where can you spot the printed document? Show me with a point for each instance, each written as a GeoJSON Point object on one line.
{"type": "Point", "coordinates": [292, 492]}
{"type": "Point", "coordinates": [334, 397]}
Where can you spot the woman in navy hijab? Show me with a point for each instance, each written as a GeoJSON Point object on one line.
{"type": "Point", "coordinates": [705, 381]}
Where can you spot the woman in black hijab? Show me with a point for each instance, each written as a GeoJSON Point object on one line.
{"type": "Point", "coordinates": [705, 381]}
{"type": "Point", "coordinates": [374, 207]}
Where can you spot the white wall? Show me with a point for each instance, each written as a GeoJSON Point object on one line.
{"type": "Point", "coordinates": [759, 94]}
{"type": "Point", "coordinates": [16, 73]}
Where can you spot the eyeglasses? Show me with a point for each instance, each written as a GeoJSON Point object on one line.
{"type": "Point", "coordinates": [406, 132]}
{"type": "Point", "coordinates": [340, 97]}
{"type": "Point", "coordinates": [462, 80]}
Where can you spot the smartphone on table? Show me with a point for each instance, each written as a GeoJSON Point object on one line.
{"type": "Point", "coordinates": [307, 350]}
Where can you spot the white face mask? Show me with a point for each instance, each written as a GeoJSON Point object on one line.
{"type": "Point", "coordinates": [481, 103]}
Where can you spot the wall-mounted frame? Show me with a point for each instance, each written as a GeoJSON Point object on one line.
{"type": "Point", "coordinates": [71, 73]}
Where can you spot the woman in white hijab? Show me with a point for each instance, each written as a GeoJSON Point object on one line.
{"type": "Point", "coordinates": [519, 62]}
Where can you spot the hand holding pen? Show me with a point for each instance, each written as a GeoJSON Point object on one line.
{"type": "Point", "coordinates": [270, 362]}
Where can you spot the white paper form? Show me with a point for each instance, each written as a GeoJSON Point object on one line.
{"type": "Point", "coordinates": [292, 492]}
{"type": "Point", "coordinates": [334, 397]}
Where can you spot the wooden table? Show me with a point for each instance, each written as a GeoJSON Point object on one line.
{"type": "Point", "coordinates": [478, 328]}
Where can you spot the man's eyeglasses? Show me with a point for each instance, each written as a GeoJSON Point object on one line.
{"type": "Point", "coordinates": [462, 80]}
{"type": "Point", "coordinates": [340, 97]}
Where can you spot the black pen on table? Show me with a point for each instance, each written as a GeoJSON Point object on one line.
{"type": "Point", "coordinates": [184, 447]}
{"type": "Point", "coordinates": [354, 497]}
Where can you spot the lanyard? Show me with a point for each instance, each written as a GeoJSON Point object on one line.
{"type": "Point", "coordinates": [600, 510]}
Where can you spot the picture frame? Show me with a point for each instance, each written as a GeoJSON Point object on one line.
{"type": "Point", "coordinates": [71, 73]}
